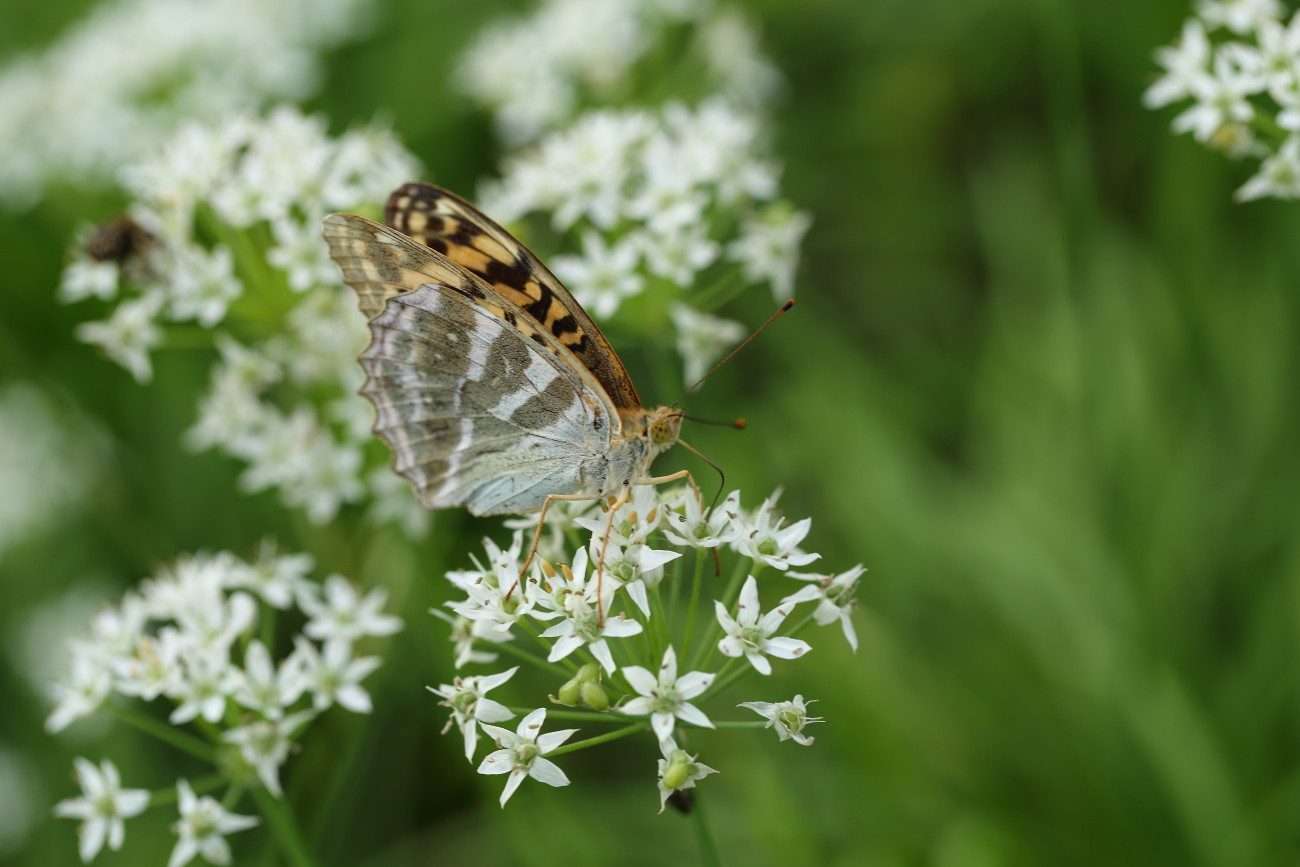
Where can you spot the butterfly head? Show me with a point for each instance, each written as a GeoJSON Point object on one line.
{"type": "Point", "coordinates": [659, 427]}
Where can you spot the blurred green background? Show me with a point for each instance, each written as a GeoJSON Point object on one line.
{"type": "Point", "coordinates": [1042, 381]}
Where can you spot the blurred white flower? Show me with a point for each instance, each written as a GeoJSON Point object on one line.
{"type": "Point", "coordinates": [266, 688]}
{"type": "Point", "coordinates": [344, 615]}
{"type": "Point", "coordinates": [203, 284]}
{"type": "Point", "coordinates": [335, 675]}
{"type": "Point", "coordinates": [203, 827]}
{"type": "Point", "coordinates": [129, 334]}
{"type": "Point", "coordinates": [80, 693]}
{"type": "Point", "coordinates": [1184, 62]}
{"type": "Point", "coordinates": [102, 807]}
{"type": "Point", "coordinates": [768, 248]}
{"type": "Point", "coordinates": [265, 745]}
{"type": "Point", "coordinates": [702, 339]}
{"type": "Point", "coordinates": [133, 70]}
{"type": "Point", "coordinates": [603, 275]}
{"type": "Point", "coordinates": [86, 278]}
{"type": "Point", "coordinates": [49, 462]}
{"type": "Point", "coordinates": [1278, 176]}
{"type": "Point", "coordinates": [1239, 16]}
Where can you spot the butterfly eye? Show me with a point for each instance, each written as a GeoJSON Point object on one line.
{"type": "Point", "coordinates": [660, 433]}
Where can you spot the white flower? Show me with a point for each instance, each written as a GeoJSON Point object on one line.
{"type": "Point", "coordinates": [836, 598]}
{"type": "Point", "coordinates": [702, 339]}
{"type": "Point", "coordinates": [278, 579]}
{"type": "Point", "coordinates": [266, 688]}
{"type": "Point", "coordinates": [346, 616]}
{"type": "Point", "coordinates": [764, 538]}
{"type": "Point", "coordinates": [464, 632]}
{"type": "Point", "coordinates": [128, 335]}
{"type": "Point", "coordinates": [603, 275]}
{"type": "Point", "coordinates": [1221, 97]}
{"type": "Point", "coordinates": [1279, 53]}
{"type": "Point", "coordinates": [202, 828]}
{"type": "Point", "coordinates": [335, 675]}
{"type": "Point", "coordinates": [265, 745]}
{"type": "Point", "coordinates": [300, 253]}
{"type": "Point", "coordinates": [679, 253]}
{"type": "Point", "coordinates": [750, 633]}
{"type": "Point", "coordinates": [768, 248]}
{"type": "Point", "coordinates": [1278, 176]}
{"type": "Point", "coordinates": [86, 278]}
{"type": "Point", "coordinates": [208, 680]}
{"type": "Point", "coordinates": [584, 622]}
{"type": "Point", "coordinates": [203, 284]}
{"type": "Point", "coordinates": [677, 771]}
{"type": "Point", "coordinates": [87, 685]}
{"type": "Point", "coordinates": [667, 696]}
{"type": "Point", "coordinates": [467, 698]}
{"type": "Point", "coordinates": [694, 527]}
{"type": "Point", "coordinates": [1184, 62]}
{"type": "Point", "coordinates": [789, 717]}
{"type": "Point", "coordinates": [522, 751]}
{"type": "Point", "coordinates": [102, 807]}
{"type": "Point", "coordinates": [155, 668]}
{"type": "Point", "coordinates": [729, 43]}
{"type": "Point", "coordinates": [1239, 16]}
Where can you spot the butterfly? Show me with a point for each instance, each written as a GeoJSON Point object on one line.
{"type": "Point", "coordinates": [491, 385]}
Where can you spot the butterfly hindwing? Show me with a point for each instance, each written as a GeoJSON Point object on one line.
{"type": "Point", "coordinates": [453, 227]}
{"type": "Point", "coordinates": [478, 410]}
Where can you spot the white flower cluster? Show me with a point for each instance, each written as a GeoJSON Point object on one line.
{"type": "Point", "coordinates": [535, 72]}
{"type": "Point", "coordinates": [47, 465]}
{"type": "Point", "coordinates": [1239, 63]}
{"type": "Point", "coordinates": [104, 806]}
{"type": "Point", "coordinates": [187, 636]}
{"type": "Point", "coordinates": [226, 222]}
{"type": "Point", "coordinates": [611, 589]}
{"type": "Point", "coordinates": [659, 200]}
{"type": "Point", "coordinates": [131, 71]}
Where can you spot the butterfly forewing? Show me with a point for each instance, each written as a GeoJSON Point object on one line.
{"type": "Point", "coordinates": [479, 408]}
{"type": "Point", "coordinates": [453, 227]}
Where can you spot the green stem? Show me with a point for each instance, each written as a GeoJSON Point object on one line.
{"type": "Point", "coordinates": [164, 732]}
{"type": "Point", "coordinates": [579, 715]}
{"type": "Point", "coordinates": [742, 724]}
{"type": "Point", "coordinates": [706, 649]}
{"type": "Point", "coordinates": [600, 739]}
{"type": "Point", "coordinates": [695, 602]}
{"type": "Point", "coordinates": [523, 655]}
{"type": "Point", "coordinates": [722, 682]}
{"type": "Point", "coordinates": [283, 828]}
{"type": "Point", "coordinates": [532, 630]}
{"type": "Point", "coordinates": [709, 854]}
{"type": "Point", "coordinates": [201, 786]}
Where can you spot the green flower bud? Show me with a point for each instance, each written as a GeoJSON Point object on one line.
{"type": "Point", "coordinates": [594, 696]}
{"type": "Point", "coordinates": [678, 770]}
{"type": "Point", "coordinates": [570, 694]}
{"type": "Point", "coordinates": [589, 673]}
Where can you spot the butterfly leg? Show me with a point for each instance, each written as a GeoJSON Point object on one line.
{"type": "Point", "coordinates": [622, 500]}
{"type": "Point", "coordinates": [541, 523]}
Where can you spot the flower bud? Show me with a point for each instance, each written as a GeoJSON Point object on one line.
{"type": "Point", "coordinates": [594, 696]}
{"type": "Point", "coordinates": [678, 770]}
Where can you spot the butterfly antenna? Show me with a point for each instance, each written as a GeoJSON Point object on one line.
{"type": "Point", "coordinates": [722, 477]}
{"type": "Point", "coordinates": [784, 307]}
{"type": "Point", "coordinates": [738, 424]}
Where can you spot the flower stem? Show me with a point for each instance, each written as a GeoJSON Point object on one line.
{"type": "Point", "coordinates": [709, 854]}
{"type": "Point", "coordinates": [523, 655]}
{"type": "Point", "coordinates": [728, 599]}
{"type": "Point", "coordinates": [201, 786]}
{"type": "Point", "coordinates": [600, 739]}
{"type": "Point", "coordinates": [582, 715]}
{"type": "Point", "coordinates": [695, 602]}
{"type": "Point", "coordinates": [283, 827]}
{"type": "Point", "coordinates": [164, 732]}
